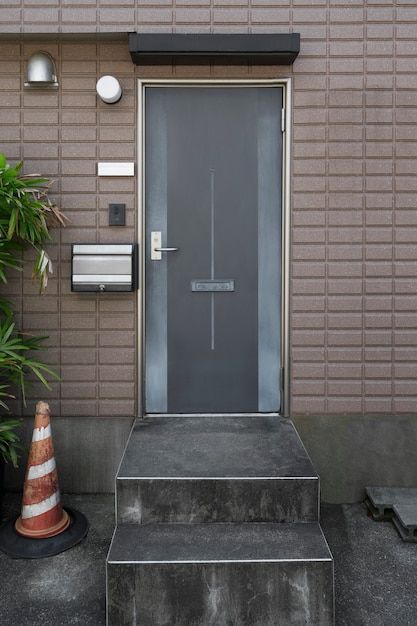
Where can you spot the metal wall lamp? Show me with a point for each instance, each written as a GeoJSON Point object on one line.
{"type": "Point", "coordinates": [41, 73]}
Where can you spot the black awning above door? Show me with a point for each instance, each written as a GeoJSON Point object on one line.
{"type": "Point", "coordinates": [160, 48]}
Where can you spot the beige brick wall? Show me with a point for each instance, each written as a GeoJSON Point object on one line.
{"type": "Point", "coordinates": [63, 134]}
{"type": "Point", "coordinates": [353, 184]}
{"type": "Point", "coordinates": [354, 212]}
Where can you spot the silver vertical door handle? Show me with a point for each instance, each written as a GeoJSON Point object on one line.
{"type": "Point", "coordinates": [156, 246]}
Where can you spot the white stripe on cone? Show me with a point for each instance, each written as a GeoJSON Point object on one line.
{"type": "Point", "coordinates": [39, 434]}
{"type": "Point", "coordinates": [39, 471]}
{"type": "Point", "coordinates": [32, 510]}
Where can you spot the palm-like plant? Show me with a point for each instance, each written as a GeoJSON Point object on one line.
{"type": "Point", "coordinates": [26, 214]}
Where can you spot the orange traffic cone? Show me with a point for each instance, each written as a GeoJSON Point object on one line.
{"type": "Point", "coordinates": [42, 514]}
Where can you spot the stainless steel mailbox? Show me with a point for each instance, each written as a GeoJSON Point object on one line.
{"type": "Point", "coordinates": [103, 267]}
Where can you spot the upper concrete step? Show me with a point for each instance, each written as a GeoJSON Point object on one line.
{"type": "Point", "coordinates": [216, 469]}
{"type": "Point", "coordinates": [219, 574]}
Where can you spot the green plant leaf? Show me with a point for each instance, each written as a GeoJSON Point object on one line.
{"type": "Point", "coordinates": [10, 441]}
{"type": "Point", "coordinates": [26, 216]}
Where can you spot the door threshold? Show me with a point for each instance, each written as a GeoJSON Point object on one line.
{"type": "Point", "coordinates": [210, 415]}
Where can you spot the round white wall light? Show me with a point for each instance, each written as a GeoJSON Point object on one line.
{"type": "Point", "coordinates": [109, 89]}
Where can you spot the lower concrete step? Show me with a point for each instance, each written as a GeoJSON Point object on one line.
{"type": "Point", "coordinates": [219, 574]}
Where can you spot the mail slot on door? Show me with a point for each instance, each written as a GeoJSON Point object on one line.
{"type": "Point", "coordinates": [103, 267]}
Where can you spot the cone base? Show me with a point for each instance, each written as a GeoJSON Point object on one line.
{"type": "Point", "coordinates": [18, 546]}
{"type": "Point", "coordinates": [45, 532]}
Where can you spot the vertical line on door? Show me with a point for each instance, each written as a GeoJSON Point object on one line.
{"type": "Point", "coordinates": [212, 251]}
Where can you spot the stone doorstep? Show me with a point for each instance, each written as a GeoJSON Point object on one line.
{"type": "Point", "coordinates": [216, 469]}
{"type": "Point", "coordinates": [195, 564]}
{"type": "Point", "coordinates": [232, 542]}
{"type": "Point", "coordinates": [260, 574]}
{"type": "Point", "coordinates": [215, 447]}
{"type": "Point", "coordinates": [405, 521]}
{"type": "Point", "coordinates": [381, 500]}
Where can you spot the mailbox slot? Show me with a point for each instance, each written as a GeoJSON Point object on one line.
{"type": "Point", "coordinates": [103, 267]}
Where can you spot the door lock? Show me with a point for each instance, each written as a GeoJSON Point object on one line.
{"type": "Point", "coordinates": [156, 243]}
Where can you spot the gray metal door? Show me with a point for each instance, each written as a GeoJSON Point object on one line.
{"type": "Point", "coordinates": [213, 249]}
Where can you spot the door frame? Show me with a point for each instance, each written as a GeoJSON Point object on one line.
{"type": "Point", "coordinates": [285, 83]}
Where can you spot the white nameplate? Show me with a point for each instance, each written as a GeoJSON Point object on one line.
{"type": "Point", "coordinates": [115, 169]}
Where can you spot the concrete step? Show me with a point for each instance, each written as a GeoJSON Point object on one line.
{"type": "Point", "coordinates": [216, 469]}
{"type": "Point", "coordinates": [219, 574]}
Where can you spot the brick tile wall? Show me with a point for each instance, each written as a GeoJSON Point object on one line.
{"type": "Point", "coordinates": [62, 134]}
{"type": "Point", "coordinates": [347, 300]}
{"type": "Point", "coordinates": [353, 183]}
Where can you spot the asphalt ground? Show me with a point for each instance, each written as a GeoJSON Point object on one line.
{"type": "Point", "coordinates": [375, 571]}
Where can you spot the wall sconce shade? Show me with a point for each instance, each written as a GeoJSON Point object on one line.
{"type": "Point", "coordinates": [41, 72]}
{"type": "Point", "coordinates": [109, 89]}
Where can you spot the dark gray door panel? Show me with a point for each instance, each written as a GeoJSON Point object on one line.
{"type": "Point", "coordinates": [213, 189]}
